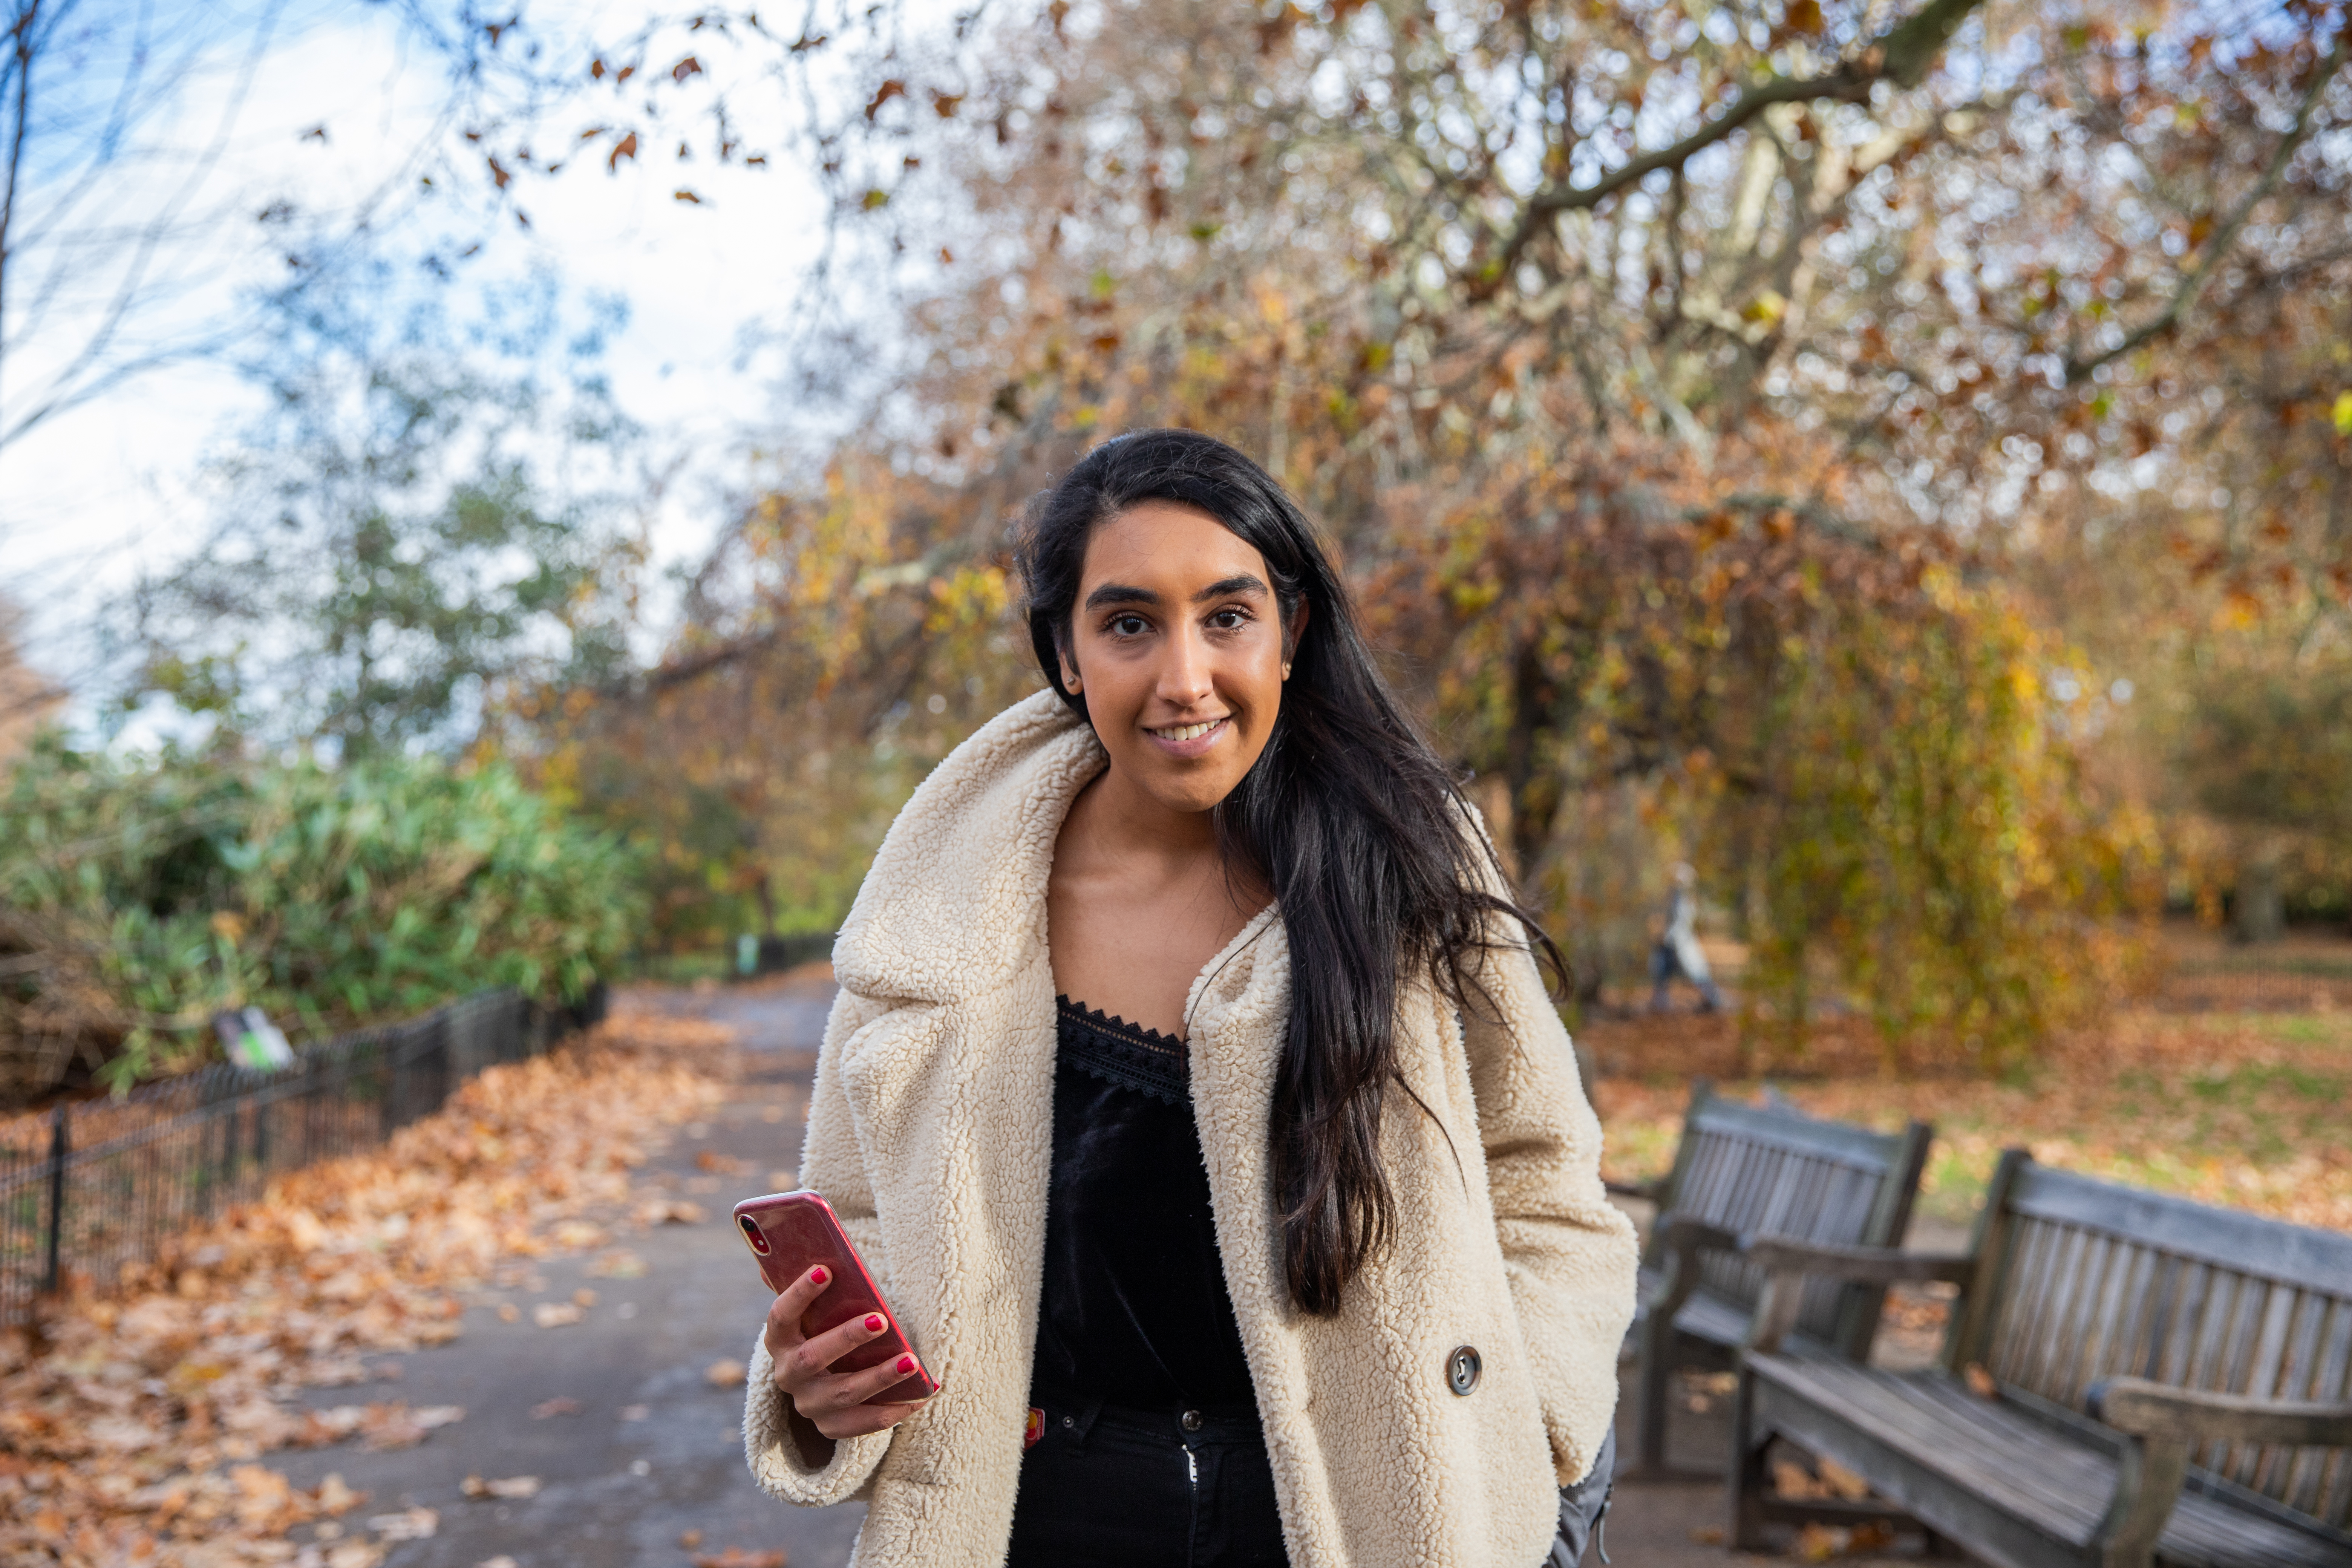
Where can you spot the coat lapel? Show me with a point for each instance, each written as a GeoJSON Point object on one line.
{"type": "Point", "coordinates": [951, 1091]}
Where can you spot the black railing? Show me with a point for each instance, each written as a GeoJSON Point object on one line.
{"type": "Point", "coordinates": [95, 1186]}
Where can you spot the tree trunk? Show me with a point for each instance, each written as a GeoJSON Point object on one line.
{"type": "Point", "coordinates": [2260, 913]}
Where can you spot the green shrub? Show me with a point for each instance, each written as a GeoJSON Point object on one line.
{"type": "Point", "coordinates": [147, 895]}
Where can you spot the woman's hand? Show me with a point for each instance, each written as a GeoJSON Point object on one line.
{"type": "Point", "coordinates": [834, 1404]}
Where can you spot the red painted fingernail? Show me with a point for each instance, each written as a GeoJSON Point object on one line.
{"type": "Point", "coordinates": [906, 1363]}
{"type": "Point", "coordinates": [819, 1276]}
{"type": "Point", "coordinates": [873, 1322]}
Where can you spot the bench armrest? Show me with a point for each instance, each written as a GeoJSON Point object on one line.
{"type": "Point", "coordinates": [1681, 1238]}
{"type": "Point", "coordinates": [1786, 1265]}
{"type": "Point", "coordinates": [2161, 1425]}
{"type": "Point", "coordinates": [2145, 1409]}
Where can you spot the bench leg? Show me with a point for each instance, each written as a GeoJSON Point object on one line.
{"type": "Point", "coordinates": [1657, 1338]}
{"type": "Point", "coordinates": [1745, 1485]}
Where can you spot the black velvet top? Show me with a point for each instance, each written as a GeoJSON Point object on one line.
{"type": "Point", "coordinates": [1134, 1309]}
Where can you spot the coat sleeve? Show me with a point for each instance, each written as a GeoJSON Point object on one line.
{"type": "Point", "coordinates": [1569, 1254]}
{"type": "Point", "coordinates": [831, 1164]}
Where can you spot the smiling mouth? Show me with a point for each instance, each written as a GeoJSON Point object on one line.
{"type": "Point", "coordinates": [1187, 732]}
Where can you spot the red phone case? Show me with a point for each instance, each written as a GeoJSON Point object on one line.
{"type": "Point", "coordinates": [790, 1233]}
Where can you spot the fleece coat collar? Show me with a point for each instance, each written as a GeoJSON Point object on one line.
{"type": "Point", "coordinates": [931, 1133]}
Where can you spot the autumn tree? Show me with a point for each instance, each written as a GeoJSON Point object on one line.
{"type": "Point", "coordinates": [417, 531]}
{"type": "Point", "coordinates": [1690, 394]}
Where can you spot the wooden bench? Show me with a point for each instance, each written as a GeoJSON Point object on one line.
{"type": "Point", "coordinates": [2128, 1379]}
{"type": "Point", "coordinates": [1743, 1171]}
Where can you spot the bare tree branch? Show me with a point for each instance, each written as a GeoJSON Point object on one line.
{"type": "Point", "coordinates": [1900, 56]}
{"type": "Point", "coordinates": [2193, 285]}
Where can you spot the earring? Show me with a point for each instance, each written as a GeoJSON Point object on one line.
{"type": "Point", "coordinates": [1285, 672]}
{"type": "Point", "coordinates": [1074, 686]}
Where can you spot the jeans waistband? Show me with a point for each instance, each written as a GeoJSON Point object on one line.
{"type": "Point", "coordinates": [1177, 1424]}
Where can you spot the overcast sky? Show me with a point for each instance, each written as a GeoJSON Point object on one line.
{"type": "Point", "coordinates": [104, 490]}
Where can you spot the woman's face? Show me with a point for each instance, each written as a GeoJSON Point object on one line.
{"type": "Point", "coordinates": [1177, 646]}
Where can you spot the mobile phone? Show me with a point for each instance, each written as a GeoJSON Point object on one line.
{"type": "Point", "coordinates": [792, 1233]}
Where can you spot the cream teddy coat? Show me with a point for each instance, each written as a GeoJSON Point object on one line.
{"type": "Point", "coordinates": [930, 1131]}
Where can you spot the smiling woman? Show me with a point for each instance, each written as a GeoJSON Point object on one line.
{"type": "Point", "coordinates": [1105, 1101]}
{"type": "Point", "coordinates": [1188, 651]}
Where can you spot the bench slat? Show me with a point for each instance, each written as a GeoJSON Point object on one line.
{"type": "Point", "coordinates": [1794, 1133]}
{"type": "Point", "coordinates": [2005, 1461]}
{"type": "Point", "coordinates": [2081, 1303]}
{"type": "Point", "coordinates": [2237, 1241]}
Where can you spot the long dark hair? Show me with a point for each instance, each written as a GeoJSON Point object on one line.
{"type": "Point", "coordinates": [1347, 815]}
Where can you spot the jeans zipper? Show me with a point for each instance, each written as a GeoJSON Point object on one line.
{"type": "Point", "coordinates": [1193, 1477]}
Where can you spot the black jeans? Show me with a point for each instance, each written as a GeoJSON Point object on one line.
{"type": "Point", "coordinates": [1135, 1489]}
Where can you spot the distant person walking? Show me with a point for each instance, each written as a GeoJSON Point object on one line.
{"type": "Point", "coordinates": [1677, 951]}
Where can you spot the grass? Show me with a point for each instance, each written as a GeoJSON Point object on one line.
{"type": "Point", "coordinates": [2250, 1108]}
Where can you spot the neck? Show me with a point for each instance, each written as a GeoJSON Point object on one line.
{"type": "Point", "coordinates": [1124, 821]}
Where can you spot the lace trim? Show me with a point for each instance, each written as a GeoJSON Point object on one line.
{"type": "Point", "coordinates": [1121, 1053]}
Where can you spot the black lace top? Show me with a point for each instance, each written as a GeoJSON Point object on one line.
{"type": "Point", "coordinates": [1134, 1310]}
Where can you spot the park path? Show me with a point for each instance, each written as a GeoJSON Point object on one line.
{"type": "Point", "coordinates": [652, 1451]}
{"type": "Point", "coordinates": [646, 1465]}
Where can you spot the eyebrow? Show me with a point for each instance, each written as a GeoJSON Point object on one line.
{"type": "Point", "coordinates": [1126, 594]}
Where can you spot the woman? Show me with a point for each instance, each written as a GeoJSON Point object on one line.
{"type": "Point", "coordinates": [1193, 1096]}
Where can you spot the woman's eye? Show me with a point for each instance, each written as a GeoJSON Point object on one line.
{"type": "Point", "coordinates": [1127, 627]}
{"type": "Point", "coordinates": [1228, 619]}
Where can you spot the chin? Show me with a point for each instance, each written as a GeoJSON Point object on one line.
{"type": "Point", "coordinates": [1193, 795]}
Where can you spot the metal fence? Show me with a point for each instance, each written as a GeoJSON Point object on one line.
{"type": "Point", "coordinates": [90, 1188]}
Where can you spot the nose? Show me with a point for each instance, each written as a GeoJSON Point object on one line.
{"type": "Point", "coordinates": [1184, 677]}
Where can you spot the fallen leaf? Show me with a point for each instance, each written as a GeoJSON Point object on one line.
{"type": "Point", "coordinates": [501, 1562]}
{"type": "Point", "coordinates": [510, 1313]}
{"type": "Point", "coordinates": [409, 1524]}
{"type": "Point", "coordinates": [725, 1373]}
{"type": "Point", "coordinates": [619, 1264]}
{"type": "Point", "coordinates": [556, 1314]}
{"type": "Point", "coordinates": [134, 1428]}
{"type": "Point", "coordinates": [333, 1497]}
{"type": "Point", "coordinates": [1707, 1535]}
{"type": "Point", "coordinates": [389, 1427]}
{"type": "Point", "coordinates": [737, 1557]}
{"type": "Point", "coordinates": [1980, 1381]}
{"type": "Point", "coordinates": [1871, 1535]}
{"type": "Point", "coordinates": [634, 1412]}
{"type": "Point", "coordinates": [1819, 1542]}
{"type": "Point", "coordinates": [1843, 1482]}
{"type": "Point", "coordinates": [584, 1297]}
{"type": "Point", "coordinates": [512, 1488]}
{"type": "Point", "coordinates": [689, 1538]}
{"type": "Point", "coordinates": [559, 1405]}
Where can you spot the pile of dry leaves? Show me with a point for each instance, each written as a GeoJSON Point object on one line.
{"type": "Point", "coordinates": [132, 1425]}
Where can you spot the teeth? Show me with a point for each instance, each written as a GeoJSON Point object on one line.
{"type": "Point", "coordinates": [1187, 732]}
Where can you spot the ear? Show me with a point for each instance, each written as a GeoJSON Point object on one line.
{"type": "Point", "coordinates": [1069, 671]}
{"type": "Point", "coordinates": [1292, 630]}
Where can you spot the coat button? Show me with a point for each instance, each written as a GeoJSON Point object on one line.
{"type": "Point", "coordinates": [1191, 1420]}
{"type": "Point", "coordinates": [1462, 1369]}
